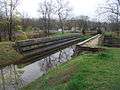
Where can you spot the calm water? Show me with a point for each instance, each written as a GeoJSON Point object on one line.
{"type": "Point", "coordinates": [35, 70]}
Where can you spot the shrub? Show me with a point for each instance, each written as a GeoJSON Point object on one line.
{"type": "Point", "coordinates": [105, 56]}
{"type": "Point", "coordinates": [22, 36]}
{"type": "Point", "coordinates": [108, 34]}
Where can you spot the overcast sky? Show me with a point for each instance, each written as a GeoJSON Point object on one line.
{"type": "Point", "coordinates": [80, 7]}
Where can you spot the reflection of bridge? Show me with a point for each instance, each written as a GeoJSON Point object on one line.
{"type": "Point", "coordinates": [37, 49]}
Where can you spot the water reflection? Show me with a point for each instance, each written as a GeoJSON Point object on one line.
{"type": "Point", "coordinates": [37, 69]}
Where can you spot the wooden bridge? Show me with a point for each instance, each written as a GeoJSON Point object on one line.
{"type": "Point", "coordinates": [37, 49]}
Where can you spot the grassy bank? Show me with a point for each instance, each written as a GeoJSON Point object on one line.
{"type": "Point", "coordinates": [100, 71]}
{"type": "Point", "coordinates": [7, 53]}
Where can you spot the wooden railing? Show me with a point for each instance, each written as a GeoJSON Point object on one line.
{"type": "Point", "coordinates": [90, 44]}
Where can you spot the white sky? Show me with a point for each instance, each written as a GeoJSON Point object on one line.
{"type": "Point", "coordinates": [80, 7]}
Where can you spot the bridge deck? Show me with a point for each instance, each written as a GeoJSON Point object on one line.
{"type": "Point", "coordinates": [33, 52]}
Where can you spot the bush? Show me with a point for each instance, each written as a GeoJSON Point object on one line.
{"type": "Point", "coordinates": [108, 34]}
{"type": "Point", "coordinates": [18, 28]}
{"type": "Point", "coordinates": [105, 56]}
{"type": "Point", "coordinates": [22, 36]}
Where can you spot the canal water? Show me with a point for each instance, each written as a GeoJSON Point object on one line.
{"type": "Point", "coordinates": [37, 69]}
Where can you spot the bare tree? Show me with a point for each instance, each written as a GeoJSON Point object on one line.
{"type": "Point", "coordinates": [83, 23]}
{"type": "Point", "coordinates": [112, 10]}
{"type": "Point", "coordinates": [46, 11]}
{"type": "Point", "coordinates": [1, 20]}
{"type": "Point", "coordinates": [9, 7]}
{"type": "Point", "coordinates": [63, 11]}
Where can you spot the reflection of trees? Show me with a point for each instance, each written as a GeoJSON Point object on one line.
{"type": "Point", "coordinates": [10, 78]}
{"type": "Point", "coordinates": [55, 59]}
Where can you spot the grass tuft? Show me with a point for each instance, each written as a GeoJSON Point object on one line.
{"type": "Point", "coordinates": [7, 53]}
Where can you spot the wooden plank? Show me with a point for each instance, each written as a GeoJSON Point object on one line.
{"type": "Point", "coordinates": [43, 45]}
{"type": "Point", "coordinates": [45, 49]}
{"type": "Point", "coordinates": [42, 40]}
{"type": "Point", "coordinates": [50, 51]}
{"type": "Point", "coordinates": [33, 45]}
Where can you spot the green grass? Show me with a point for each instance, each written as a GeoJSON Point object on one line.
{"type": "Point", "coordinates": [62, 34]}
{"type": "Point", "coordinates": [99, 71]}
{"type": "Point", "coordinates": [112, 34]}
{"type": "Point", "coordinates": [7, 53]}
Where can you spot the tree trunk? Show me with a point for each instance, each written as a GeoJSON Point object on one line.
{"type": "Point", "coordinates": [10, 31]}
{"type": "Point", "coordinates": [10, 21]}
{"type": "Point", "coordinates": [61, 23]}
{"type": "Point", "coordinates": [83, 31]}
{"type": "Point", "coordinates": [0, 38]}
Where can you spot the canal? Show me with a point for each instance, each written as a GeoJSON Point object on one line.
{"type": "Point", "coordinates": [37, 69]}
